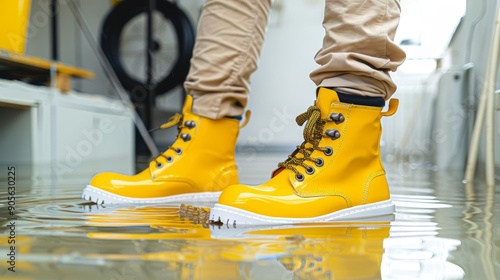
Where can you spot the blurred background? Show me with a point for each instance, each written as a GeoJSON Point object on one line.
{"type": "Point", "coordinates": [62, 118]}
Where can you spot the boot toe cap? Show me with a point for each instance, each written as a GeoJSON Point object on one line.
{"type": "Point", "coordinates": [114, 181]}
{"type": "Point", "coordinates": [279, 202]}
{"type": "Point", "coordinates": [238, 195]}
{"type": "Point", "coordinates": [263, 200]}
{"type": "Point", "coordinates": [109, 181]}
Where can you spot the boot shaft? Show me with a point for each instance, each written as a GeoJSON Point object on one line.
{"type": "Point", "coordinates": [350, 155]}
{"type": "Point", "coordinates": [203, 152]}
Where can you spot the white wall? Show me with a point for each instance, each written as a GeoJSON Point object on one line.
{"type": "Point", "coordinates": [281, 88]}
{"type": "Point", "coordinates": [472, 45]}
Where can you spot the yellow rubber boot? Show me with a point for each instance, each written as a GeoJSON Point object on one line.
{"type": "Point", "coordinates": [198, 166]}
{"type": "Point", "coordinates": [336, 174]}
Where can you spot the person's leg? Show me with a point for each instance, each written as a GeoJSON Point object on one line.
{"type": "Point", "coordinates": [201, 162]}
{"type": "Point", "coordinates": [358, 49]}
{"type": "Point", "coordinates": [226, 53]}
{"type": "Point", "coordinates": [337, 173]}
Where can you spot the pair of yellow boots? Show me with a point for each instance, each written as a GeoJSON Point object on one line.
{"type": "Point", "coordinates": [335, 174]}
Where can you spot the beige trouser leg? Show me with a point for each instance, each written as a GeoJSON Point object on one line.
{"type": "Point", "coordinates": [358, 49]}
{"type": "Point", "coordinates": [357, 54]}
{"type": "Point", "coordinates": [227, 50]}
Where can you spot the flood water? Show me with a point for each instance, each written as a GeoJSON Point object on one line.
{"type": "Point", "coordinates": [443, 229]}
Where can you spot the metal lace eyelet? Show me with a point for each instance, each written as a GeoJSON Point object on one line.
{"type": "Point", "coordinates": [310, 170]}
{"type": "Point", "coordinates": [328, 151]}
{"type": "Point", "coordinates": [169, 159]}
{"type": "Point", "coordinates": [299, 177]}
{"type": "Point", "coordinates": [333, 133]}
{"type": "Point", "coordinates": [319, 162]}
{"type": "Point", "coordinates": [178, 151]}
{"type": "Point", "coordinates": [159, 165]}
{"type": "Point", "coordinates": [190, 124]}
{"type": "Point", "coordinates": [337, 118]}
{"type": "Point", "coordinates": [186, 137]}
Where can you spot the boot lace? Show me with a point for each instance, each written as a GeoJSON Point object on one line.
{"type": "Point", "coordinates": [175, 120]}
{"type": "Point", "coordinates": [313, 133]}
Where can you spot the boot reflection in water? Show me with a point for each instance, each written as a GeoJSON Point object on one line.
{"type": "Point", "coordinates": [335, 174]}
{"type": "Point", "coordinates": [340, 250]}
{"type": "Point", "coordinates": [189, 251]}
{"type": "Point", "coordinates": [307, 251]}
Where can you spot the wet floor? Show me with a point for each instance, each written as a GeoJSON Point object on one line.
{"type": "Point", "coordinates": [443, 229]}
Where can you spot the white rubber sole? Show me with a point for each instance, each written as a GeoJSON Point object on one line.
{"type": "Point", "coordinates": [233, 216]}
{"type": "Point", "coordinates": [103, 197]}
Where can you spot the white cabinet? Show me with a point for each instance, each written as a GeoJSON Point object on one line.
{"type": "Point", "coordinates": [53, 137]}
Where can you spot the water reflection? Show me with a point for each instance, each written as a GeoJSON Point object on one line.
{"type": "Point", "coordinates": [65, 237]}
{"type": "Point", "coordinates": [420, 258]}
{"type": "Point", "coordinates": [443, 229]}
{"type": "Point", "coordinates": [479, 216]}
